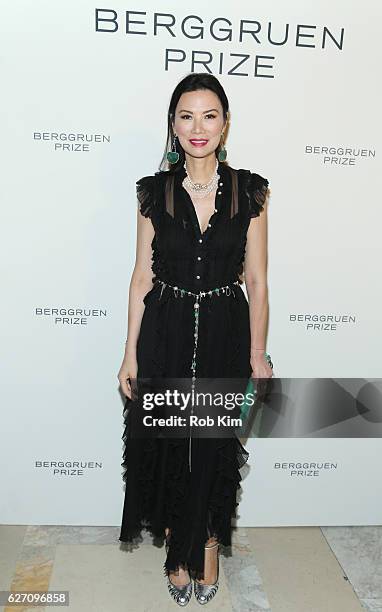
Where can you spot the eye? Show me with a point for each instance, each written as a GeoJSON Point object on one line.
{"type": "Point", "coordinates": [186, 115]}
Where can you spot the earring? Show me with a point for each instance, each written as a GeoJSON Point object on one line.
{"type": "Point", "coordinates": [173, 155]}
{"type": "Point", "coordinates": [222, 155]}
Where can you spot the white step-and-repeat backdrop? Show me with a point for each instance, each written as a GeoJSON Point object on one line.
{"type": "Point", "coordinates": [84, 102]}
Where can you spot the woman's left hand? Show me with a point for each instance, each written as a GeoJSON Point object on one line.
{"type": "Point", "coordinates": [260, 366]}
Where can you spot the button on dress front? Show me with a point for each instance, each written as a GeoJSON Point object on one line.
{"type": "Point", "coordinates": [161, 489]}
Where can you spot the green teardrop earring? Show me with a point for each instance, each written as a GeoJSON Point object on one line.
{"type": "Point", "coordinates": [222, 155]}
{"type": "Point", "coordinates": [173, 155]}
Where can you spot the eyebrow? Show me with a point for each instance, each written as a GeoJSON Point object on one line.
{"type": "Point", "coordinates": [183, 110]}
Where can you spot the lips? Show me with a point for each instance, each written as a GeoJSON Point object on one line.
{"type": "Point", "coordinates": [198, 142]}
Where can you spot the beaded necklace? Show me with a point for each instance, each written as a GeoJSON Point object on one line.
{"type": "Point", "coordinates": [201, 190]}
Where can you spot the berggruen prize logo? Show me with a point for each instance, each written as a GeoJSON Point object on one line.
{"type": "Point", "coordinates": [331, 155]}
{"type": "Point", "coordinates": [66, 467]}
{"type": "Point", "coordinates": [325, 322]}
{"type": "Point", "coordinates": [71, 142]}
{"type": "Point", "coordinates": [239, 39]}
{"type": "Point", "coordinates": [69, 316]}
{"type": "Point", "coordinates": [305, 469]}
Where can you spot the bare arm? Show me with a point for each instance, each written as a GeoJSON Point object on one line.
{"type": "Point", "coordinates": [255, 275]}
{"type": "Point", "coordinates": [140, 284]}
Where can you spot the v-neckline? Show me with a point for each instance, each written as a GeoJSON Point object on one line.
{"type": "Point", "coordinates": [196, 219]}
{"type": "Point", "coordinates": [217, 204]}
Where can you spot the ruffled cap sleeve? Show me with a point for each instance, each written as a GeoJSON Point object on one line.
{"type": "Point", "coordinates": [146, 195]}
{"type": "Point", "coordinates": [256, 187]}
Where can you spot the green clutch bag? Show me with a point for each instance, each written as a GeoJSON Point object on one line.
{"type": "Point", "coordinates": [250, 390]}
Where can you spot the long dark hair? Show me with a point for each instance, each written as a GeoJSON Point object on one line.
{"type": "Point", "coordinates": [191, 82]}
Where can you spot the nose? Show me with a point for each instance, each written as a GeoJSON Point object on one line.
{"type": "Point", "coordinates": [197, 127]}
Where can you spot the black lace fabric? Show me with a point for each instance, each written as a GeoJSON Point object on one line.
{"type": "Point", "coordinates": [145, 189]}
{"type": "Point", "coordinates": [256, 188]}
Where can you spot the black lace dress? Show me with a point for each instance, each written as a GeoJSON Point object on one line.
{"type": "Point", "coordinates": [161, 489]}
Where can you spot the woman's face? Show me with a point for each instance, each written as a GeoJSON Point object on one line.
{"type": "Point", "coordinates": [199, 122]}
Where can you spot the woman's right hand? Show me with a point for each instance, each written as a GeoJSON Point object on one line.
{"type": "Point", "coordinates": [127, 373]}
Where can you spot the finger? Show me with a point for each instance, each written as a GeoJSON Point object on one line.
{"type": "Point", "coordinates": [123, 384]}
{"type": "Point", "coordinates": [127, 388]}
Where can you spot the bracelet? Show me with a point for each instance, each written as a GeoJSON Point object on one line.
{"type": "Point", "coordinates": [257, 349]}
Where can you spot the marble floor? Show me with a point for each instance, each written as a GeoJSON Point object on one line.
{"type": "Point", "coordinates": [280, 569]}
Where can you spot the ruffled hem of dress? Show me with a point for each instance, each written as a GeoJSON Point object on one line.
{"type": "Point", "coordinates": [222, 506]}
{"type": "Point", "coordinates": [131, 530]}
{"type": "Point", "coordinates": [223, 498]}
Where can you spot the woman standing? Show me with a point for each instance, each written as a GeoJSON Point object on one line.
{"type": "Point", "coordinates": [200, 225]}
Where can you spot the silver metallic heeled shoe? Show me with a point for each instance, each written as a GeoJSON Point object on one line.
{"type": "Point", "coordinates": [205, 592]}
{"type": "Point", "coordinates": [181, 595]}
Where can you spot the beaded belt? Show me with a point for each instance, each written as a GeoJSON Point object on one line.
{"type": "Point", "coordinates": [225, 290]}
